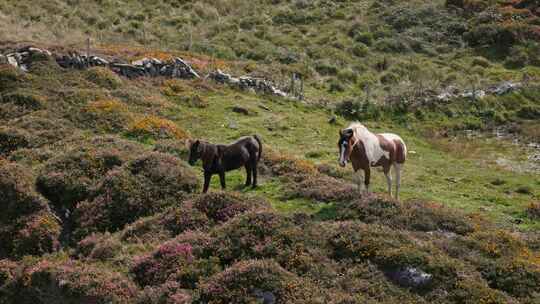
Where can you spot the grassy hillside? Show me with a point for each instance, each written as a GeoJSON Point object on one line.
{"type": "Point", "coordinates": [98, 196]}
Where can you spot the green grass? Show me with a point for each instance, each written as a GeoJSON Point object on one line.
{"type": "Point", "coordinates": [460, 177]}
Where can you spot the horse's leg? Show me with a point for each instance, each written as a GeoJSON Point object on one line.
{"type": "Point", "coordinates": [397, 169]}
{"type": "Point", "coordinates": [254, 168]}
{"type": "Point", "coordinates": [207, 177]}
{"type": "Point", "coordinates": [367, 176]}
{"type": "Point", "coordinates": [386, 170]}
{"type": "Point", "coordinates": [222, 179]}
{"type": "Point", "coordinates": [248, 175]}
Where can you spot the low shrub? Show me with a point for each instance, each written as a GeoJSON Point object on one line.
{"type": "Point", "coordinates": [515, 276]}
{"type": "Point", "coordinates": [68, 178]}
{"type": "Point", "coordinates": [533, 210]}
{"type": "Point", "coordinates": [103, 77]}
{"type": "Point", "coordinates": [24, 99]}
{"type": "Point", "coordinates": [222, 206]}
{"type": "Point", "coordinates": [100, 247]}
{"type": "Point", "coordinates": [246, 281]}
{"type": "Point", "coordinates": [7, 271]}
{"type": "Point", "coordinates": [186, 217]}
{"type": "Point", "coordinates": [42, 130]}
{"type": "Point", "coordinates": [68, 282]}
{"type": "Point", "coordinates": [256, 235]}
{"type": "Point", "coordinates": [411, 215]}
{"type": "Point", "coordinates": [178, 148]}
{"type": "Point", "coordinates": [323, 188]}
{"type": "Point", "coordinates": [168, 293]}
{"type": "Point", "coordinates": [139, 188]}
{"type": "Point", "coordinates": [27, 225]}
{"type": "Point", "coordinates": [12, 139]}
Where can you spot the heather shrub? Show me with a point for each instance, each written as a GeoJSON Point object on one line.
{"type": "Point", "coordinates": [38, 234]}
{"type": "Point", "coordinates": [245, 281]}
{"type": "Point", "coordinates": [98, 247]}
{"type": "Point", "coordinates": [256, 235]}
{"type": "Point", "coordinates": [167, 293]}
{"type": "Point", "coordinates": [68, 282]}
{"type": "Point", "coordinates": [27, 225]}
{"type": "Point", "coordinates": [103, 77]}
{"type": "Point", "coordinates": [173, 261]}
{"type": "Point", "coordinates": [178, 148]}
{"type": "Point", "coordinates": [411, 215]}
{"type": "Point", "coordinates": [40, 130]}
{"type": "Point", "coordinates": [10, 77]}
{"type": "Point", "coordinates": [141, 187]}
{"type": "Point", "coordinates": [517, 277]}
{"type": "Point", "coordinates": [533, 210]}
{"type": "Point", "coordinates": [222, 206]}
{"type": "Point", "coordinates": [12, 139]}
{"type": "Point", "coordinates": [146, 230]}
{"type": "Point", "coordinates": [322, 188]}
{"type": "Point", "coordinates": [183, 218]}
{"type": "Point", "coordinates": [67, 178]}
{"type": "Point", "coordinates": [24, 99]}
{"type": "Point", "coordinates": [7, 271]}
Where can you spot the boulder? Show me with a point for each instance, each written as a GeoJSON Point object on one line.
{"type": "Point", "coordinates": [411, 277]}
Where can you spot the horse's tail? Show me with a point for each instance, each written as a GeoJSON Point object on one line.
{"type": "Point", "coordinates": [258, 139]}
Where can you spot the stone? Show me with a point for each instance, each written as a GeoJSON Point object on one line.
{"type": "Point", "coordinates": [13, 61]}
{"type": "Point", "coordinates": [240, 110]}
{"type": "Point", "coordinates": [332, 119]}
{"type": "Point", "coordinates": [3, 59]}
{"type": "Point", "coordinates": [266, 297]}
{"type": "Point", "coordinates": [411, 277]}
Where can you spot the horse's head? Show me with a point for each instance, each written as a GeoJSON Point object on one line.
{"type": "Point", "coordinates": [345, 145]}
{"type": "Point", "coordinates": [195, 152]}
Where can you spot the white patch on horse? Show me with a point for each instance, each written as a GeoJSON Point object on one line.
{"type": "Point", "coordinates": [371, 143]}
{"type": "Point", "coordinates": [391, 137]}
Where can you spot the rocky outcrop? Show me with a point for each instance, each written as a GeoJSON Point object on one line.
{"type": "Point", "coordinates": [411, 277]}
{"type": "Point", "coordinates": [145, 67]}
{"type": "Point", "coordinates": [497, 89]}
{"type": "Point", "coordinates": [247, 83]}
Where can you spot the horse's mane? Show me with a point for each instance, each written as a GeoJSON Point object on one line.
{"type": "Point", "coordinates": [359, 130]}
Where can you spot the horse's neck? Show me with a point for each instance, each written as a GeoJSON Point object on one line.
{"type": "Point", "coordinates": [371, 144]}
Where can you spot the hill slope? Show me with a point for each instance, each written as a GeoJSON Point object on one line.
{"type": "Point", "coordinates": [98, 196]}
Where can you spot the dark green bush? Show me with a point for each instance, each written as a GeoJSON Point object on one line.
{"type": "Point", "coordinates": [12, 139]}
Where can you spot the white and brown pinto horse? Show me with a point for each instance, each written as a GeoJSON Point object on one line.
{"type": "Point", "coordinates": [365, 150]}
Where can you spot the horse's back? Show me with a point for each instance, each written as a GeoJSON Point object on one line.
{"type": "Point", "coordinates": [400, 146]}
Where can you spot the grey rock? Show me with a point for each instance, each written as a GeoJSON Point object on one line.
{"type": "Point", "coordinates": [3, 59]}
{"type": "Point", "coordinates": [411, 277]}
{"type": "Point", "coordinates": [266, 297]}
{"type": "Point", "coordinates": [13, 61]}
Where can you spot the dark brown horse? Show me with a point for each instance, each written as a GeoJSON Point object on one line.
{"type": "Point", "coordinates": [218, 159]}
